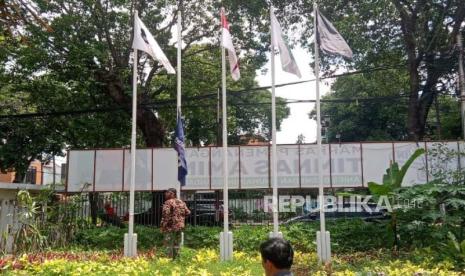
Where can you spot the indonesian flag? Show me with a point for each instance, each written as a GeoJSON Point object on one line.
{"type": "Point", "coordinates": [227, 43]}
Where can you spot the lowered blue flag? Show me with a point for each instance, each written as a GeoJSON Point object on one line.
{"type": "Point", "coordinates": [179, 147]}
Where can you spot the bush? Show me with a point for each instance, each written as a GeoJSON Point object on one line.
{"type": "Point", "coordinates": [346, 236]}
{"type": "Point", "coordinates": [112, 238]}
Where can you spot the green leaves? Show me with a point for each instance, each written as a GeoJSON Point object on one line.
{"type": "Point", "coordinates": [393, 178]}
{"type": "Point", "coordinates": [455, 249]}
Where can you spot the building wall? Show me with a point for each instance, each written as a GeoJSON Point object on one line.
{"type": "Point", "coordinates": [7, 177]}
{"type": "Point", "coordinates": [35, 166]}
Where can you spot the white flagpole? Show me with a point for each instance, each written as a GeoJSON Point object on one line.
{"type": "Point", "coordinates": [274, 177]}
{"type": "Point", "coordinates": [461, 81]}
{"type": "Point", "coordinates": [323, 245]}
{"type": "Point", "coordinates": [130, 241]}
{"type": "Point", "coordinates": [226, 239]}
{"type": "Point", "coordinates": [178, 103]}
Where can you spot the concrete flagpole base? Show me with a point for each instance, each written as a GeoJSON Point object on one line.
{"type": "Point", "coordinates": [278, 235]}
{"type": "Point", "coordinates": [226, 246]}
{"type": "Point", "coordinates": [323, 247]}
{"type": "Point", "coordinates": [130, 245]}
{"type": "Point", "coordinates": [182, 240]}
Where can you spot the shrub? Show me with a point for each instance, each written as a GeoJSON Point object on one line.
{"type": "Point", "coordinates": [346, 236]}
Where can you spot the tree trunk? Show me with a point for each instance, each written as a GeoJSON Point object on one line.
{"type": "Point", "coordinates": [408, 32]}
{"type": "Point", "coordinates": [151, 127]}
{"type": "Point", "coordinates": [418, 107]}
{"type": "Point", "coordinates": [93, 202]}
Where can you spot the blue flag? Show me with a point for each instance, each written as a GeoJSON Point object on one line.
{"type": "Point", "coordinates": [179, 147]}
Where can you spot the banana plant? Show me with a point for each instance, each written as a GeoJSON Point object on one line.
{"type": "Point", "coordinates": [392, 180]}
{"type": "Point", "coordinates": [394, 176]}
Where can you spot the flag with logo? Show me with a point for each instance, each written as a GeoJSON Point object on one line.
{"type": "Point", "coordinates": [179, 147]}
{"type": "Point", "coordinates": [329, 39]}
{"type": "Point", "coordinates": [226, 42]}
{"type": "Point", "coordinates": [288, 62]}
{"type": "Point", "coordinates": [144, 41]}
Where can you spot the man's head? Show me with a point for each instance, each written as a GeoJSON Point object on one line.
{"type": "Point", "coordinates": [277, 254]}
{"type": "Point", "coordinates": [170, 193]}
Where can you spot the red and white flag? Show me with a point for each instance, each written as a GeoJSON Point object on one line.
{"type": "Point", "coordinates": [226, 42]}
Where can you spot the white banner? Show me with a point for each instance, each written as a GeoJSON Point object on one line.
{"type": "Point", "coordinates": [288, 166]}
{"type": "Point", "coordinates": [143, 169]}
{"type": "Point", "coordinates": [217, 168]}
{"type": "Point", "coordinates": [198, 166]}
{"type": "Point", "coordinates": [108, 170]}
{"type": "Point", "coordinates": [309, 166]}
{"type": "Point", "coordinates": [352, 165]}
{"type": "Point", "coordinates": [346, 165]}
{"type": "Point", "coordinates": [373, 171]}
{"type": "Point", "coordinates": [417, 172]}
{"type": "Point", "coordinates": [165, 169]}
{"type": "Point", "coordinates": [255, 166]}
{"type": "Point", "coordinates": [81, 171]}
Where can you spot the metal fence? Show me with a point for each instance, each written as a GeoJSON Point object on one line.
{"type": "Point", "coordinates": [245, 207]}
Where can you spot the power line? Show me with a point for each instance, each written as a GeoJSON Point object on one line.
{"type": "Point", "coordinates": [169, 103]}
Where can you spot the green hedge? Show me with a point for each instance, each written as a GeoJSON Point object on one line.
{"type": "Point", "coordinates": [346, 235]}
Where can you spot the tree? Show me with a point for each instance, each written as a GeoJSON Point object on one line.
{"type": "Point", "coordinates": [369, 107]}
{"type": "Point", "coordinates": [82, 67]}
{"type": "Point", "coordinates": [366, 107]}
{"type": "Point", "coordinates": [419, 36]}
{"type": "Point", "coordinates": [91, 42]}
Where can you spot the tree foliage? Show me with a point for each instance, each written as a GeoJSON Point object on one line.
{"type": "Point", "coordinates": [417, 37]}
{"type": "Point", "coordinates": [80, 69]}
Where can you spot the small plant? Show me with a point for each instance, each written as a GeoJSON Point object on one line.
{"type": "Point", "coordinates": [28, 236]}
{"type": "Point", "coordinates": [455, 250]}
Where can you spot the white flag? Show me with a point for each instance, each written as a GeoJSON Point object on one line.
{"type": "Point", "coordinates": [287, 59]}
{"type": "Point", "coordinates": [227, 43]}
{"type": "Point", "coordinates": [144, 41]}
{"type": "Point", "coordinates": [329, 39]}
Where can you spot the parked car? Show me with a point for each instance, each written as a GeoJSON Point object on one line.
{"type": "Point", "coordinates": [346, 210]}
{"type": "Point", "coordinates": [206, 212]}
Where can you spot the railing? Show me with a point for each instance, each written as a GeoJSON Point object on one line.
{"type": "Point", "coordinates": [245, 207]}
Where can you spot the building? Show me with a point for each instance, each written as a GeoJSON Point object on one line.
{"type": "Point", "coordinates": [38, 173]}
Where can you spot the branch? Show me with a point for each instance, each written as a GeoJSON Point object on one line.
{"type": "Point", "coordinates": [459, 18]}
{"type": "Point", "coordinates": [150, 77]}
{"type": "Point", "coordinates": [113, 51]}
{"type": "Point", "coordinates": [205, 49]}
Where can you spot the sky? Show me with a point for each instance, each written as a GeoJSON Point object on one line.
{"type": "Point", "coordinates": [298, 121]}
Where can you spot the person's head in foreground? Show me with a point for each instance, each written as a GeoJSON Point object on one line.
{"type": "Point", "coordinates": [170, 193]}
{"type": "Point", "coordinates": [277, 257]}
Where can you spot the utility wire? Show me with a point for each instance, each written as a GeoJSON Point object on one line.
{"type": "Point", "coordinates": [170, 103]}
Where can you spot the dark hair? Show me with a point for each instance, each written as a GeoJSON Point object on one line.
{"type": "Point", "coordinates": [278, 251]}
{"type": "Point", "coordinates": [171, 190]}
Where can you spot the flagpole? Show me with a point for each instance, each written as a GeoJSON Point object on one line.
{"type": "Point", "coordinates": [178, 103]}
{"type": "Point", "coordinates": [274, 178]}
{"type": "Point", "coordinates": [226, 239]}
{"type": "Point", "coordinates": [130, 241]}
{"type": "Point", "coordinates": [323, 243]}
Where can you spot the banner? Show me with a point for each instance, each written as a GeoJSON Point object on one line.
{"type": "Point", "coordinates": [352, 165]}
